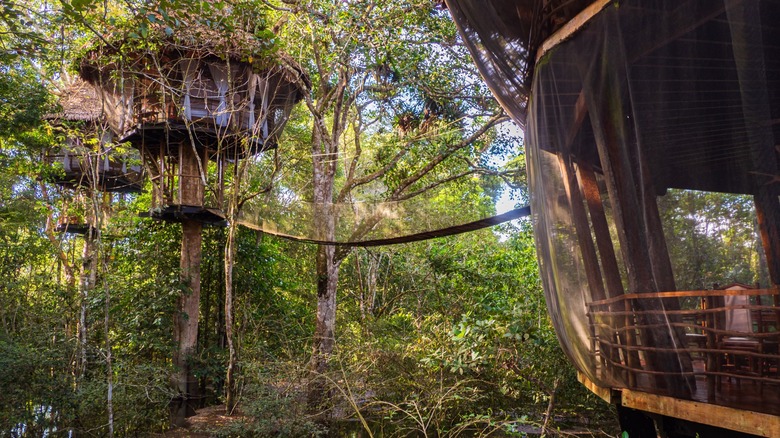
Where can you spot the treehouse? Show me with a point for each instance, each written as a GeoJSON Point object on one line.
{"type": "Point", "coordinates": [652, 147]}
{"type": "Point", "coordinates": [194, 106]}
{"type": "Point", "coordinates": [87, 158]}
{"type": "Point", "coordinates": [198, 102]}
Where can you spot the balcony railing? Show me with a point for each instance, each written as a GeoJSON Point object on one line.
{"type": "Point", "coordinates": [114, 173]}
{"type": "Point", "coordinates": [729, 337]}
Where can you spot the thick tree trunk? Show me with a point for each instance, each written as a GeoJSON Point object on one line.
{"type": "Point", "coordinates": [327, 268]}
{"type": "Point", "coordinates": [324, 332]}
{"type": "Point", "coordinates": [185, 330]}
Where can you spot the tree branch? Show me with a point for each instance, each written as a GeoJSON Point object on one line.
{"type": "Point", "coordinates": [498, 118]}
{"type": "Point", "coordinates": [70, 277]}
{"type": "Point", "coordinates": [433, 185]}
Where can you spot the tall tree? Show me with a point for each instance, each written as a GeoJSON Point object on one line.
{"type": "Point", "coordinates": [393, 109]}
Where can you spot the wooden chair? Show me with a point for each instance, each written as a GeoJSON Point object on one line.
{"type": "Point", "coordinates": [736, 342]}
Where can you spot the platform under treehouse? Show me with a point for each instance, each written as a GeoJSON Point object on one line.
{"type": "Point", "coordinates": [652, 140]}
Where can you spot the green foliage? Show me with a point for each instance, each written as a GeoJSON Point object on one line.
{"type": "Point", "coordinates": [34, 382]}
{"type": "Point", "coordinates": [141, 395]}
{"type": "Point", "coordinates": [23, 100]}
{"type": "Point", "coordinates": [19, 34]}
{"type": "Point", "coordinates": [272, 412]}
{"type": "Point", "coordinates": [459, 326]}
{"type": "Point", "coordinates": [712, 239]}
{"type": "Point", "coordinates": [143, 32]}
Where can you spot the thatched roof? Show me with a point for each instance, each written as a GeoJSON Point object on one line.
{"type": "Point", "coordinates": [187, 41]}
{"type": "Point", "coordinates": [190, 38]}
{"type": "Point", "coordinates": [79, 101]}
{"type": "Point", "coordinates": [293, 73]}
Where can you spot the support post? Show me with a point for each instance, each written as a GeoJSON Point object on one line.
{"type": "Point", "coordinates": [635, 210]}
{"type": "Point", "coordinates": [191, 191]}
{"type": "Point", "coordinates": [186, 324]}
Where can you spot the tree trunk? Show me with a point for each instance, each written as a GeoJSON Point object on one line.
{"type": "Point", "coordinates": [87, 282]}
{"type": "Point", "coordinates": [185, 330]}
{"type": "Point", "coordinates": [327, 267]}
{"type": "Point", "coordinates": [230, 254]}
{"type": "Point", "coordinates": [373, 271]}
{"type": "Point", "coordinates": [109, 357]}
{"type": "Point", "coordinates": [324, 332]}
{"type": "Point", "coordinates": [550, 407]}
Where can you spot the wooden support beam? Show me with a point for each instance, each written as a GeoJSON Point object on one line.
{"type": "Point", "coordinates": [681, 19]}
{"type": "Point", "coordinates": [611, 271]}
{"type": "Point", "coordinates": [768, 218]}
{"type": "Point", "coordinates": [185, 330]}
{"type": "Point", "coordinates": [573, 184]}
{"type": "Point", "coordinates": [686, 17]}
{"type": "Point", "coordinates": [571, 27]}
{"type": "Point", "coordinates": [739, 420]}
{"type": "Point", "coordinates": [576, 205]}
{"type": "Point", "coordinates": [191, 188]}
{"type": "Point", "coordinates": [606, 394]}
{"type": "Point", "coordinates": [582, 229]}
{"type": "Point", "coordinates": [634, 211]}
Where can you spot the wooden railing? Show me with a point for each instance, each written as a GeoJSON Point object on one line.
{"type": "Point", "coordinates": [701, 332]}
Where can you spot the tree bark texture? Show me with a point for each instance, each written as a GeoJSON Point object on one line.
{"type": "Point", "coordinates": [324, 332]}
{"type": "Point", "coordinates": [109, 356]}
{"type": "Point", "coordinates": [186, 324]}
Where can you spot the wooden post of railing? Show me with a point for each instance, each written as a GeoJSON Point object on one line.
{"type": "Point", "coordinates": [776, 301]}
{"type": "Point", "coordinates": [632, 356]}
{"type": "Point", "coordinates": [712, 362]}
{"type": "Point", "coordinates": [592, 328]}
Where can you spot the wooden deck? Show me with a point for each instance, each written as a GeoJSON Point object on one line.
{"type": "Point", "coordinates": [737, 393]}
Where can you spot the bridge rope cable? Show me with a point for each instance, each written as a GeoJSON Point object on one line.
{"type": "Point", "coordinates": [416, 237]}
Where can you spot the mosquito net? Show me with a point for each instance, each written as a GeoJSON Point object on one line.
{"type": "Point", "coordinates": [653, 169]}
